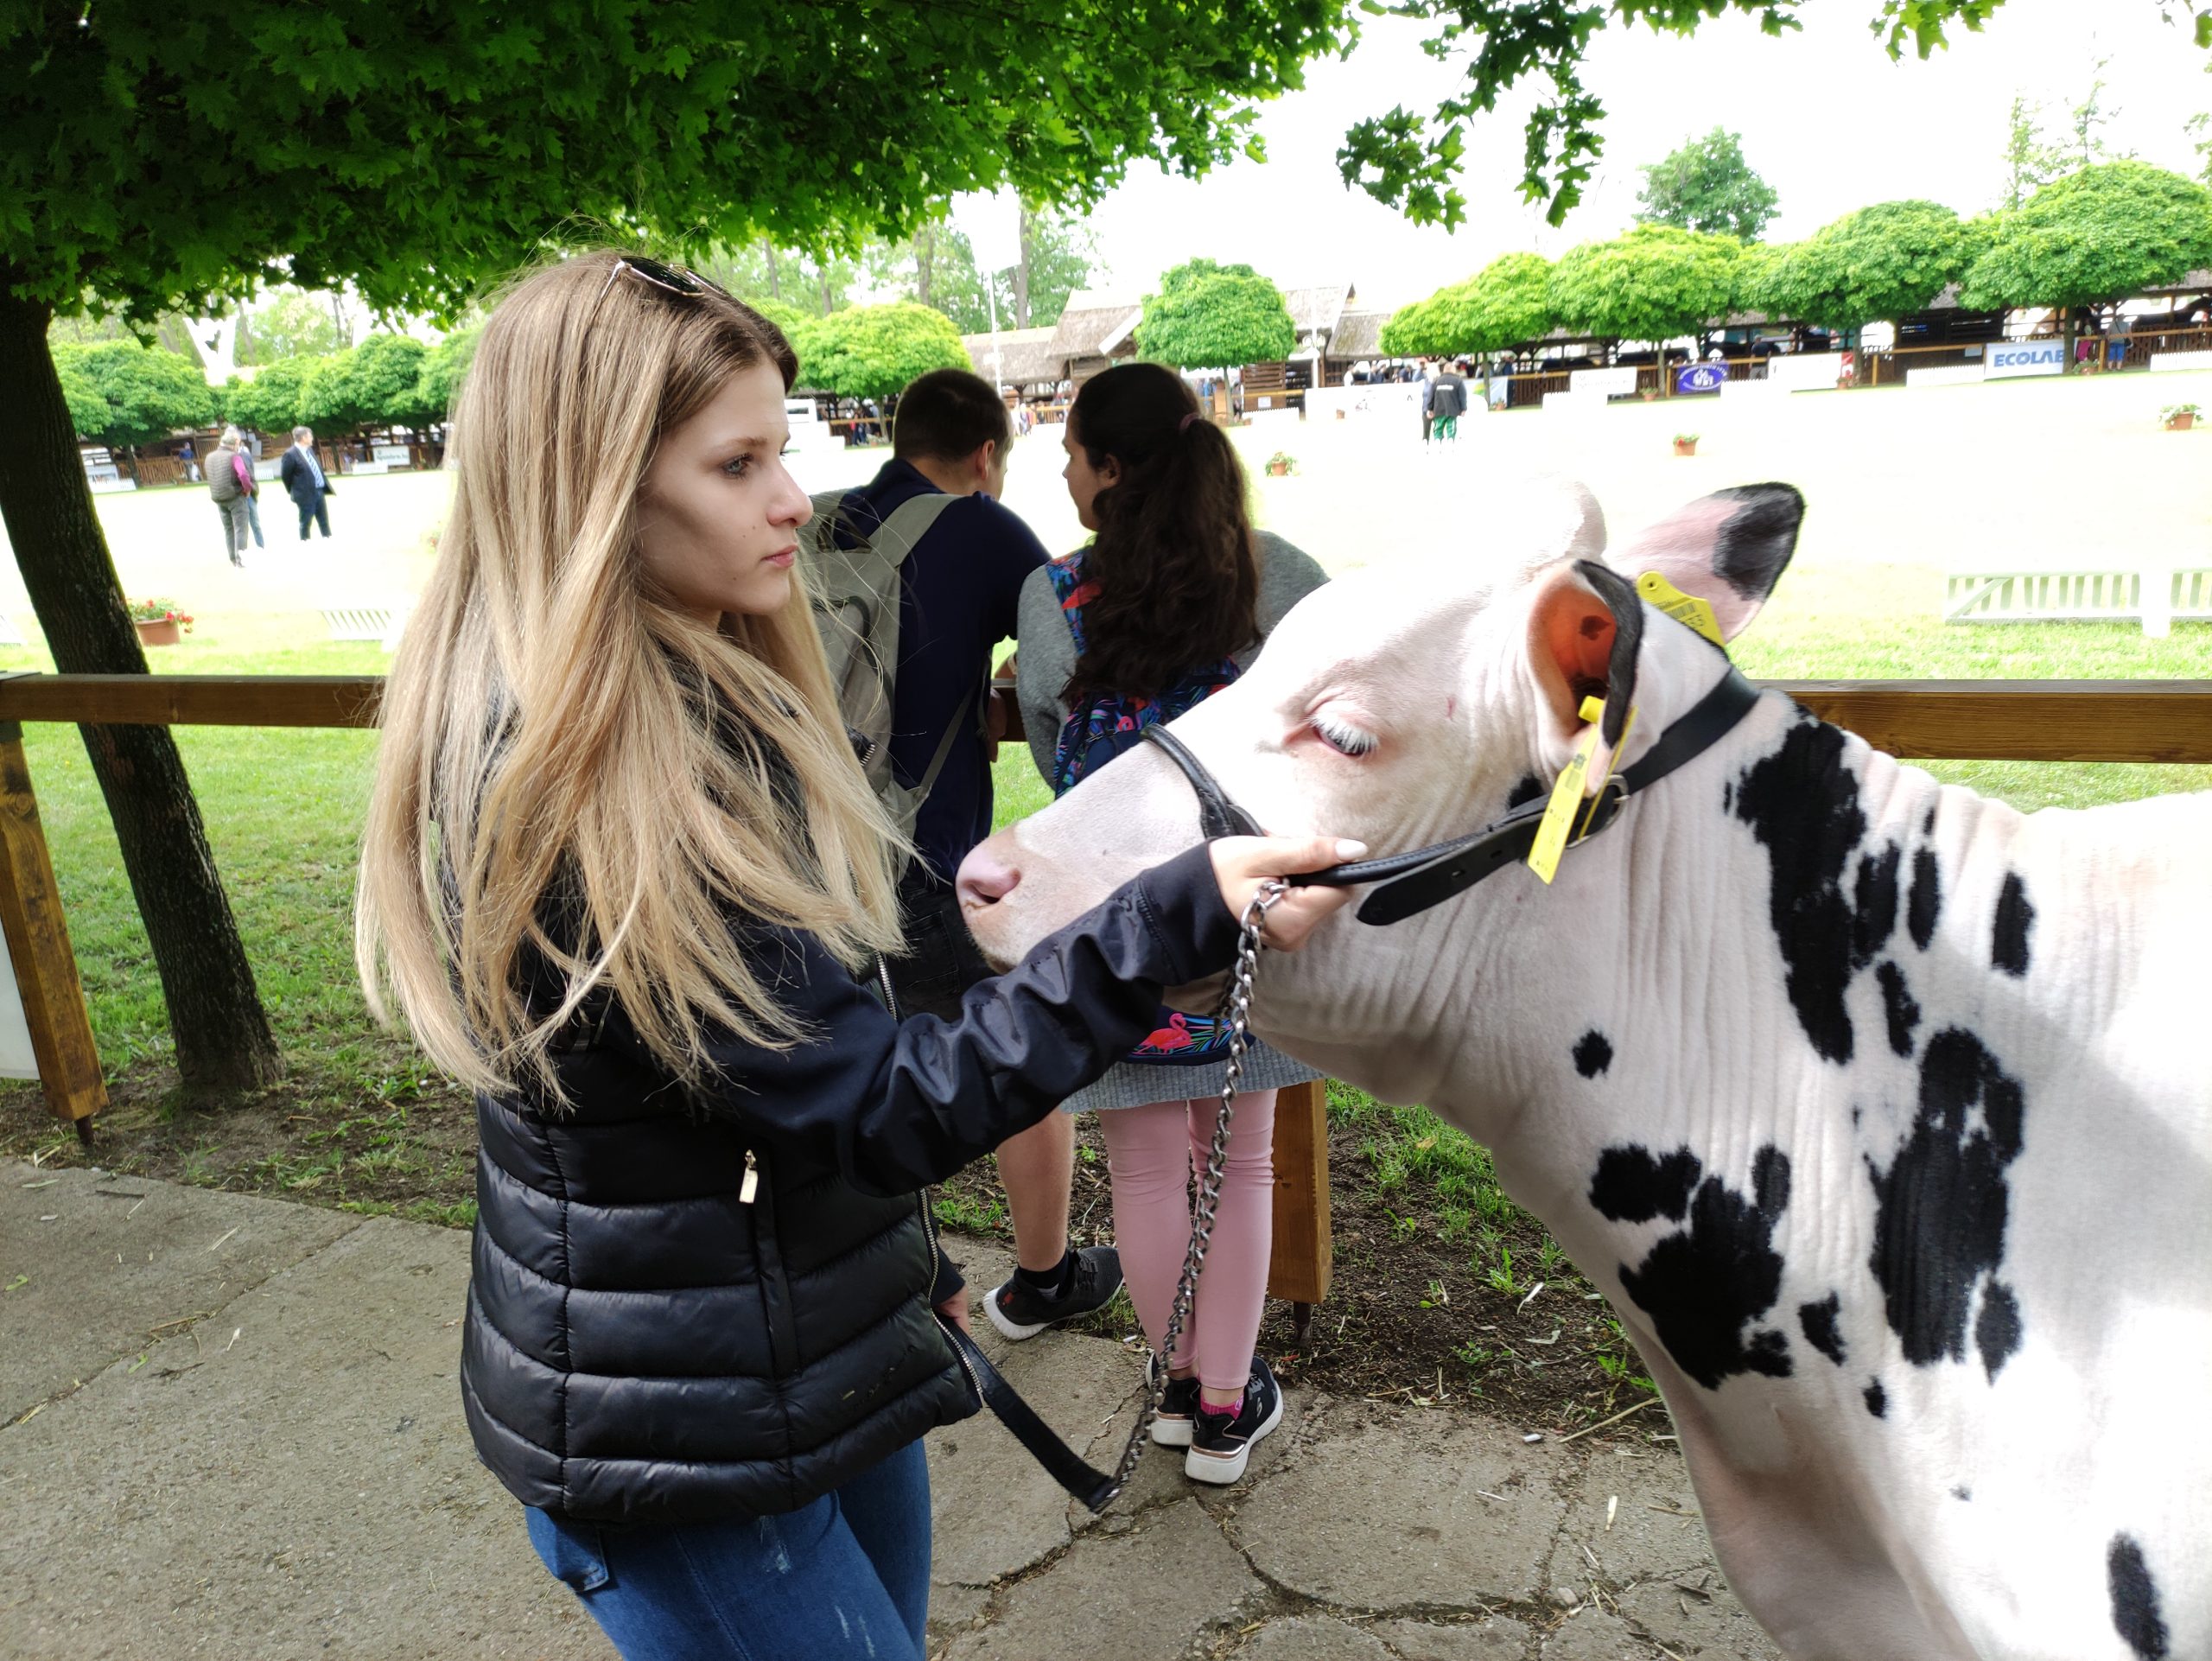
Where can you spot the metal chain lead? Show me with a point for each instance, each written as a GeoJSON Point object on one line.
{"type": "Point", "coordinates": [1237, 1009]}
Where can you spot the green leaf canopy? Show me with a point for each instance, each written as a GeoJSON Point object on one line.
{"type": "Point", "coordinates": [1508, 301]}
{"type": "Point", "coordinates": [2103, 233]}
{"type": "Point", "coordinates": [122, 394]}
{"type": "Point", "coordinates": [1878, 264]}
{"type": "Point", "coordinates": [1652, 283]}
{"type": "Point", "coordinates": [875, 351]}
{"type": "Point", "coordinates": [1210, 316]}
{"type": "Point", "coordinates": [420, 149]}
{"type": "Point", "coordinates": [1707, 185]}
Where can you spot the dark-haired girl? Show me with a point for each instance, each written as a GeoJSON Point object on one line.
{"type": "Point", "coordinates": [1168, 603]}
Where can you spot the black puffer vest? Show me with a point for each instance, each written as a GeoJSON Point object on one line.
{"type": "Point", "coordinates": [671, 1323]}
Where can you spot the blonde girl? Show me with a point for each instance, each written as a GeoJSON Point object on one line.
{"type": "Point", "coordinates": [622, 877]}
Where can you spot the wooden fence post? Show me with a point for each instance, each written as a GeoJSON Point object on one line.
{"type": "Point", "coordinates": [38, 946]}
{"type": "Point", "coordinates": [1298, 1272]}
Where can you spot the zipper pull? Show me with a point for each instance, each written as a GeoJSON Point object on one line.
{"type": "Point", "coordinates": [751, 1186]}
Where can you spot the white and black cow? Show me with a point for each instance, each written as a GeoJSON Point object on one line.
{"type": "Point", "coordinates": [1881, 1112]}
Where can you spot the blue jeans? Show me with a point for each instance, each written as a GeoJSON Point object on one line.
{"type": "Point", "coordinates": [846, 1576]}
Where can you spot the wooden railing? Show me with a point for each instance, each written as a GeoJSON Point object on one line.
{"type": "Point", "coordinates": [2024, 721]}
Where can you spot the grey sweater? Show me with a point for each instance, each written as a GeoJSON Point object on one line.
{"type": "Point", "coordinates": [1047, 658]}
{"type": "Point", "coordinates": [1047, 650]}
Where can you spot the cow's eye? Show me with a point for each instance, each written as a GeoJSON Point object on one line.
{"type": "Point", "coordinates": [1345, 741]}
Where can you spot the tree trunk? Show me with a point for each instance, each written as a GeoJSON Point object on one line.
{"type": "Point", "coordinates": [1028, 236]}
{"type": "Point", "coordinates": [924, 260]}
{"type": "Point", "coordinates": [222, 1035]}
{"type": "Point", "coordinates": [775, 269]}
{"type": "Point", "coordinates": [2070, 330]}
{"type": "Point", "coordinates": [825, 293]}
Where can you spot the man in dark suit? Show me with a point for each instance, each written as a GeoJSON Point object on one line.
{"type": "Point", "coordinates": [304, 483]}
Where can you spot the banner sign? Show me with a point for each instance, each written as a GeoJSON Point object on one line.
{"type": "Point", "coordinates": [1700, 378]}
{"type": "Point", "coordinates": [2006, 359]}
{"type": "Point", "coordinates": [1605, 383]}
{"type": "Point", "coordinates": [1808, 372]}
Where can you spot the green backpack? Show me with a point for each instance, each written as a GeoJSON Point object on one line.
{"type": "Point", "coordinates": [856, 593]}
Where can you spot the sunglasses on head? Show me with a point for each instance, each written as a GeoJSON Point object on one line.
{"type": "Point", "coordinates": [671, 279]}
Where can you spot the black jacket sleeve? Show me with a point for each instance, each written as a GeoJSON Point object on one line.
{"type": "Point", "coordinates": [901, 1104]}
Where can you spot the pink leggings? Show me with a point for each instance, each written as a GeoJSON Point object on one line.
{"type": "Point", "coordinates": [1150, 1152]}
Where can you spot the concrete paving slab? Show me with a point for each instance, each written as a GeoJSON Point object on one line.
{"type": "Point", "coordinates": [1590, 1634]}
{"type": "Point", "coordinates": [1656, 1548]}
{"type": "Point", "coordinates": [1401, 1509]}
{"type": "Point", "coordinates": [92, 1263]}
{"type": "Point", "coordinates": [1492, 1638]}
{"type": "Point", "coordinates": [1144, 1595]}
{"type": "Point", "coordinates": [1312, 1638]}
{"type": "Point", "coordinates": [294, 1478]}
{"type": "Point", "coordinates": [995, 1510]}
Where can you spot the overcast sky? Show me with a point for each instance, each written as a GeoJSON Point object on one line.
{"type": "Point", "coordinates": [1828, 120]}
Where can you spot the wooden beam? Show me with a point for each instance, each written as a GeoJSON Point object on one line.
{"type": "Point", "coordinates": [1949, 720]}
{"type": "Point", "coordinates": [194, 700]}
{"type": "Point", "coordinates": [2020, 720]}
{"type": "Point", "coordinates": [38, 946]}
{"type": "Point", "coordinates": [1299, 1271]}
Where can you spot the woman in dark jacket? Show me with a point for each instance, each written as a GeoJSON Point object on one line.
{"type": "Point", "coordinates": [623, 878]}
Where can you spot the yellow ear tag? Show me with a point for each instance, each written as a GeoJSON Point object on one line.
{"type": "Point", "coordinates": [1567, 796]}
{"type": "Point", "coordinates": [1628, 731]}
{"type": "Point", "coordinates": [1682, 608]}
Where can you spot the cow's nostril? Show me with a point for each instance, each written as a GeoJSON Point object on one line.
{"type": "Point", "coordinates": [985, 880]}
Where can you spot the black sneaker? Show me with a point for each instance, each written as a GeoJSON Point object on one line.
{"type": "Point", "coordinates": [1020, 1310]}
{"type": "Point", "coordinates": [1221, 1443]}
{"type": "Point", "coordinates": [1170, 1426]}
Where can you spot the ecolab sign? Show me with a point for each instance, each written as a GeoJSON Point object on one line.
{"type": "Point", "coordinates": [2010, 357]}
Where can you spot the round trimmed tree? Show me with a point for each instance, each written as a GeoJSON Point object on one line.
{"type": "Point", "coordinates": [2096, 236]}
{"type": "Point", "coordinates": [1508, 301]}
{"type": "Point", "coordinates": [1876, 265]}
{"type": "Point", "coordinates": [1211, 317]}
{"type": "Point", "coordinates": [877, 352]}
{"type": "Point", "coordinates": [121, 394]}
{"type": "Point", "coordinates": [1654, 284]}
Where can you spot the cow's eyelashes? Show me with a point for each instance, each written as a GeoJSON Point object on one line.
{"type": "Point", "coordinates": [1345, 741]}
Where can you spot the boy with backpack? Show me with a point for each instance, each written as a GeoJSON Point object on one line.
{"type": "Point", "coordinates": [917, 576]}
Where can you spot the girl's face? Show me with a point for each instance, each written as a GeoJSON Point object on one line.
{"type": "Point", "coordinates": [1085, 481]}
{"type": "Point", "coordinates": [718, 513]}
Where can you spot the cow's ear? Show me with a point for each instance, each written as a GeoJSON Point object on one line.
{"type": "Point", "coordinates": [1728, 550]}
{"type": "Point", "coordinates": [1585, 629]}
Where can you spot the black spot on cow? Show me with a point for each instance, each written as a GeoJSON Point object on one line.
{"type": "Point", "coordinates": [1996, 1329]}
{"type": "Point", "coordinates": [1962, 1492]}
{"type": "Point", "coordinates": [1940, 1223]}
{"type": "Point", "coordinates": [2135, 1614]}
{"type": "Point", "coordinates": [1728, 796]}
{"type": "Point", "coordinates": [1818, 1323]}
{"type": "Point", "coordinates": [1594, 1054]}
{"type": "Point", "coordinates": [1802, 805]}
{"type": "Point", "coordinates": [1878, 1399]}
{"type": "Point", "coordinates": [1702, 1287]}
{"type": "Point", "coordinates": [2016, 918]}
{"type": "Point", "coordinates": [1923, 906]}
{"type": "Point", "coordinates": [1898, 1005]}
{"type": "Point", "coordinates": [1527, 791]}
{"type": "Point", "coordinates": [1875, 912]}
{"type": "Point", "coordinates": [1631, 1186]}
{"type": "Point", "coordinates": [1927, 823]}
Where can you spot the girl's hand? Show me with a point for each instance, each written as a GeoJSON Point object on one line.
{"type": "Point", "coordinates": [1242, 863]}
{"type": "Point", "coordinates": [955, 1309]}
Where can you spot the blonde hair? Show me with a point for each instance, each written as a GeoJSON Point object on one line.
{"type": "Point", "coordinates": [559, 737]}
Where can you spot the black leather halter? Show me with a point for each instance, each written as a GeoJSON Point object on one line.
{"type": "Point", "coordinates": [1411, 882]}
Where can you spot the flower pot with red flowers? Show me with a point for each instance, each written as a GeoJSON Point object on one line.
{"type": "Point", "coordinates": [159, 622]}
{"type": "Point", "coordinates": [1282, 464]}
{"type": "Point", "coordinates": [2179, 417]}
{"type": "Point", "coordinates": [1686, 443]}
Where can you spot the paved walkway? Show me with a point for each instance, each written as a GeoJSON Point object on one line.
{"type": "Point", "coordinates": [231, 1430]}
